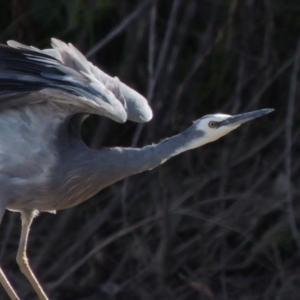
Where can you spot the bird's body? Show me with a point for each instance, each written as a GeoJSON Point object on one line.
{"type": "Point", "coordinates": [34, 141]}
{"type": "Point", "coordinates": [51, 168]}
{"type": "Point", "coordinates": [39, 97]}
{"type": "Point", "coordinates": [44, 164]}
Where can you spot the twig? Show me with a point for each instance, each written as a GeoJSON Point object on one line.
{"type": "Point", "coordinates": [119, 28]}
{"type": "Point", "coordinates": [288, 147]}
{"type": "Point", "coordinates": [100, 246]}
{"type": "Point", "coordinates": [162, 55]}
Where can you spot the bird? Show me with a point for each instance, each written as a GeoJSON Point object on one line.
{"type": "Point", "coordinates": [45, 166]}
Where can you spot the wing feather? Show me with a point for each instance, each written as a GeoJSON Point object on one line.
{"type": "Point", "coordinates": [138, 109]}
{"type": "Point", "coordinates": [28, 74]}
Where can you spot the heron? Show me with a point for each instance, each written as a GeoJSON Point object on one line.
{"type": "Point", "coordinates": [45, 166]}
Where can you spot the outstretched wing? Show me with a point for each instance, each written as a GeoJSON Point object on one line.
{"type": "Point", "coordinates": [29, 75]}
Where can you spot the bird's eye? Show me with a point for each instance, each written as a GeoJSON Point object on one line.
{"type": "Point", "coordinates": [212, 124]}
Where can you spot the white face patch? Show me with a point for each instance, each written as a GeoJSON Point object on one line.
{"type": "Point", "coordinates": [208, 125]}
{"type": "Point", "coordinates": [206, 130]}
{"type": "Point", "coordinates": [204, 122]}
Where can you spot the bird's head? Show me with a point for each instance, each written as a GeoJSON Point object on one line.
{"type": "Point", "coordinates": [211, 127]}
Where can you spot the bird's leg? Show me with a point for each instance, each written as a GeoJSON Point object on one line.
{"type": "Point", "coordinates": [22, 260]}
{"type": "Point", "coordinates": [3, 280]}
{"type": "Point", "coordinates": [8, 288]}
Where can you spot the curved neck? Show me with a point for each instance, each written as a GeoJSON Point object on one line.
{"type": "Point", "coordinates": [93, 170]}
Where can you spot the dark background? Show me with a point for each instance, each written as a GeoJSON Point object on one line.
{"type": "Point", "coordinates": [219, 222]}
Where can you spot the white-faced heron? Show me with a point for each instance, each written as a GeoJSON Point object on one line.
{"type": "Point", "coordinates": [44, 164]}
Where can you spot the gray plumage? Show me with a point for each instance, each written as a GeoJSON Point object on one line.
{"type": "Point", "coordinates": [44, 164]}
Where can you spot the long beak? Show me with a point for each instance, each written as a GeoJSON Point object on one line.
{"type": "Point", "coordinates": [242, 118]}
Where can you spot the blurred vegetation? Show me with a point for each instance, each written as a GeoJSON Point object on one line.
{"type": "Point", "coordinates": [219, 222]}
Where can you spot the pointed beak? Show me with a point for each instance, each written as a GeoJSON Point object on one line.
{"type": "Point", "coordinates": [237, 120]}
